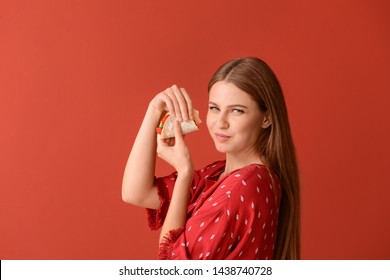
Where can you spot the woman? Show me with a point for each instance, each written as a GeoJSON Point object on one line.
{"type": "Point", "coordinates": [244, 207]}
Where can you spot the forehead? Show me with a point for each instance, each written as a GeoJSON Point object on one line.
{"type": "Point", "coordinates": [225, 93]}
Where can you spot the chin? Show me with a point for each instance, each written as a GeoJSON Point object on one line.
{"type": "Point", "coordinates": [221, 148]}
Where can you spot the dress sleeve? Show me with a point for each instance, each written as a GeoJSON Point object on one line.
{"type": "Point", "coordinates": [236, 219]}
{"type": "Point", "coordinates": [164, 186]}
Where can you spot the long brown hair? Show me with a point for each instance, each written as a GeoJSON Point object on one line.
{"type": "Point", "coordinates": [275, 143]}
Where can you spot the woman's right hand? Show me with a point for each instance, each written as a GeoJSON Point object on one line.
{"type": "Point", "coordinates": [176, 101]}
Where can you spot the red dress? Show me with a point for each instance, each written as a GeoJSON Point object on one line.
{"type": "Point", "coordinates": [235, 217]}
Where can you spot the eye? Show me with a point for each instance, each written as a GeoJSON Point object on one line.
{"type": "Point", "coordinates": [213, 108]}
{"type": "Point", "coordinates": [238, 111]}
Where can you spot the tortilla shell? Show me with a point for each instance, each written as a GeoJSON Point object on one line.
{"type": "Point", "coordinates": [186, 126]}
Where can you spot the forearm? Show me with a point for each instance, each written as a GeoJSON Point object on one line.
{"type": "Point", "coordinates": [177, 213]}
{"type": "Point", "coordinates": [140, 167]}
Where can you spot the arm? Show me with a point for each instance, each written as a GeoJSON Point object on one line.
{"type": "Point", "coordinates": [177, 212]}
{"type": "Point", "coordinates": [137, 184]}
{"type": "Point", "coordinates": [179, 157]}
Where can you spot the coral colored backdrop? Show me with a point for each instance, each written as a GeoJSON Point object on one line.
{"type": "Point", "coordinates": [76, 78]}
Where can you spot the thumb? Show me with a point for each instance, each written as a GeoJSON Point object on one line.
{"type": "Point", "coordinates": [161, 145]}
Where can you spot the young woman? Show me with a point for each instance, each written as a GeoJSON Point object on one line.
{"type": "Point", "coordinates": [244, 207]}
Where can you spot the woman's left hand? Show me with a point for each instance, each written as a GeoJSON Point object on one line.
{"type": "Point", "coordinates": [175, 152]}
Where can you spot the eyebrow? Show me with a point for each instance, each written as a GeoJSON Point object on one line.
{"type": "Point", "coordinates": [230, 106]}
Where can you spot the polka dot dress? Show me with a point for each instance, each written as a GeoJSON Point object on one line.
{"type": "Point", "coordinates": [235, 217]}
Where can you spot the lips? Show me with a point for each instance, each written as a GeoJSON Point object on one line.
{"type": "Point", "coordinates": [221, 137]}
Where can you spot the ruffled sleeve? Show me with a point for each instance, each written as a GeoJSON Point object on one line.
{"type": "Point", "coordinates": [166, 245]}
{"type": "Point", "coordinates": [164, 186]}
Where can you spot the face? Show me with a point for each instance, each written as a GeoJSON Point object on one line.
{"type": "Point", "coordinates": [234, 120]}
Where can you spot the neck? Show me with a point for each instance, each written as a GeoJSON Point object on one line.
{"type": "Point", "coordinates": [234, 162]}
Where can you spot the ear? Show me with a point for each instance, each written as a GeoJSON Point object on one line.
{"type": "Point", "coordinates": [266, 121]}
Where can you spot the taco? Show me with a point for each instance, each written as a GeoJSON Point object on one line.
{"type": "Point", "coordinates": [166, 127]}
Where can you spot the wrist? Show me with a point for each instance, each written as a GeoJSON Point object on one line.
{"type": "Point", "coordinates": [154, 111]}
{"type": "Point", "coordinates": [153, 116]}
{"type": "Point", "coordinates": [157, 111]}
{"type": "Point", "coordinates": [186, 172]}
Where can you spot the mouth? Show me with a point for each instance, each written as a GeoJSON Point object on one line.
{"type": "Point", "coordinates": [221, 137]}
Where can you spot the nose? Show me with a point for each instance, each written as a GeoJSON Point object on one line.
{"type": "Point", "coordinates": [222, 121]}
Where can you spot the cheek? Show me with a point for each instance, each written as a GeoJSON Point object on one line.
{"type": "Point", "coordinates": [250, 129]}
{"type": "Point", "coordinates": [209, 121]}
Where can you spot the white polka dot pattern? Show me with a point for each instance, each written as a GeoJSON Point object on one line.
{"type": "Point", "coordinates": [234, 218]}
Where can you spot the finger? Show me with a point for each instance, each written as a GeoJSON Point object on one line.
{"type": "Point", "coordinates": [178, 133]}
{"type": "Point", "coordinates": [175, 103]}
{"type": "Point", "coordinates": [168, 102]}
{"type": "Point", "coordinates": [182, 101]}
{"type": "Point", "coordinates": [160, 145]}
{"type": "Point", "coordinates": [161, 142]}
{"type": "Point", "coordinates": [189, 103]}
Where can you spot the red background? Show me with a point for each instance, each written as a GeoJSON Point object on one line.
{"type": "Point", "coordinates": [76, 77]}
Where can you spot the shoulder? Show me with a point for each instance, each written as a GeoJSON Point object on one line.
{"type": "Point", "coordinates": [254, 177]}
{"type": "Point", "coordinates": [253, 188]}
{"type": "Point", "coordinates": [212, 169]}
{"type": "Point", "coordinates": [213, 166]}
{"type": "Point", "coordinates": [257, 171]}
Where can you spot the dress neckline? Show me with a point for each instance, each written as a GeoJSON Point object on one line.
{"type": "Point", "coordinates": [217, 176]}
